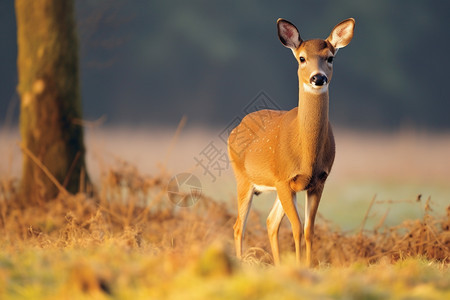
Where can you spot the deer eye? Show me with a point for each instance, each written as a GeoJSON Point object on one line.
{"type": "Point", "coordinates": [302, 59]}
{"type": "Point", "coordinates": [330, 59]}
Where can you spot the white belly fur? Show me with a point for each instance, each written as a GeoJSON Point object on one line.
{"type": "Point", "coordinates": [264, 188]}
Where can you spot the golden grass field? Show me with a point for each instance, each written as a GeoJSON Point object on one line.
{"type": "Point", "coordinates": [383, 231]}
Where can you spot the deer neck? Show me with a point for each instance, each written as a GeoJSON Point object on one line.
{"type": "Point", "coordinates": [313, 124]}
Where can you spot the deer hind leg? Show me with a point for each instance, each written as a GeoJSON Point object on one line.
{"type": "Point", "coordinates": [288, 201]}
{"type": "Point", "coordinates": [273, 226]}
{"type": "Point", "coordinates": [311, 206]}
{"type": "Point", "coordinates": [245, 195]}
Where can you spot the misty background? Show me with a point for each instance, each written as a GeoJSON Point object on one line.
{"type": "Point", "coordinates": [150, 63]}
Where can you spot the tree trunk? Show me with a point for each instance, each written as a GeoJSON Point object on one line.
{"type": "Point", "coordinates": [50, 98]}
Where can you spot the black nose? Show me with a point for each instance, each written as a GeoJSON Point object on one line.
{"type": "Point", "coordinates": [319, 79]}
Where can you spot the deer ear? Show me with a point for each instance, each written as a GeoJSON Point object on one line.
{"type": "Point", "coordinates": [288, 34]}
{"type": "Point", "coordinates": [342, 33]}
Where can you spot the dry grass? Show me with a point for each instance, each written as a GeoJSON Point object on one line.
{"type": "Point", "coordinates": [130, 241]}
{"type": "Point", "coordinates": [133, 210]}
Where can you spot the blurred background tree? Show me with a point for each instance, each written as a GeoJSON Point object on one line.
{"type": "Point", "coordinates": [50, 107]}
{"type": "Point", "coordinates": [151, 62]}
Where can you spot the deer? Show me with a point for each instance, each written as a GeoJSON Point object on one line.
{"type": "Point", "coordinates": [289, 151]}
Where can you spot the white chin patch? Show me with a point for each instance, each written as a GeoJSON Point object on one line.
{"type": "Point", "coordinates": [314, 89]}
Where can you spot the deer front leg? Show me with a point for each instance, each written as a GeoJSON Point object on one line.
{"type": "Point", "coordinates": [311, 206]}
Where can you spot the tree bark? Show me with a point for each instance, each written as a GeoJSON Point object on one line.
{"type": "Point", "coordinates": [50, 98]}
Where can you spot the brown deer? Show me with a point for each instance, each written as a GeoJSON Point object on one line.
{"type": "Point", "coordinates": [290, 151]}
